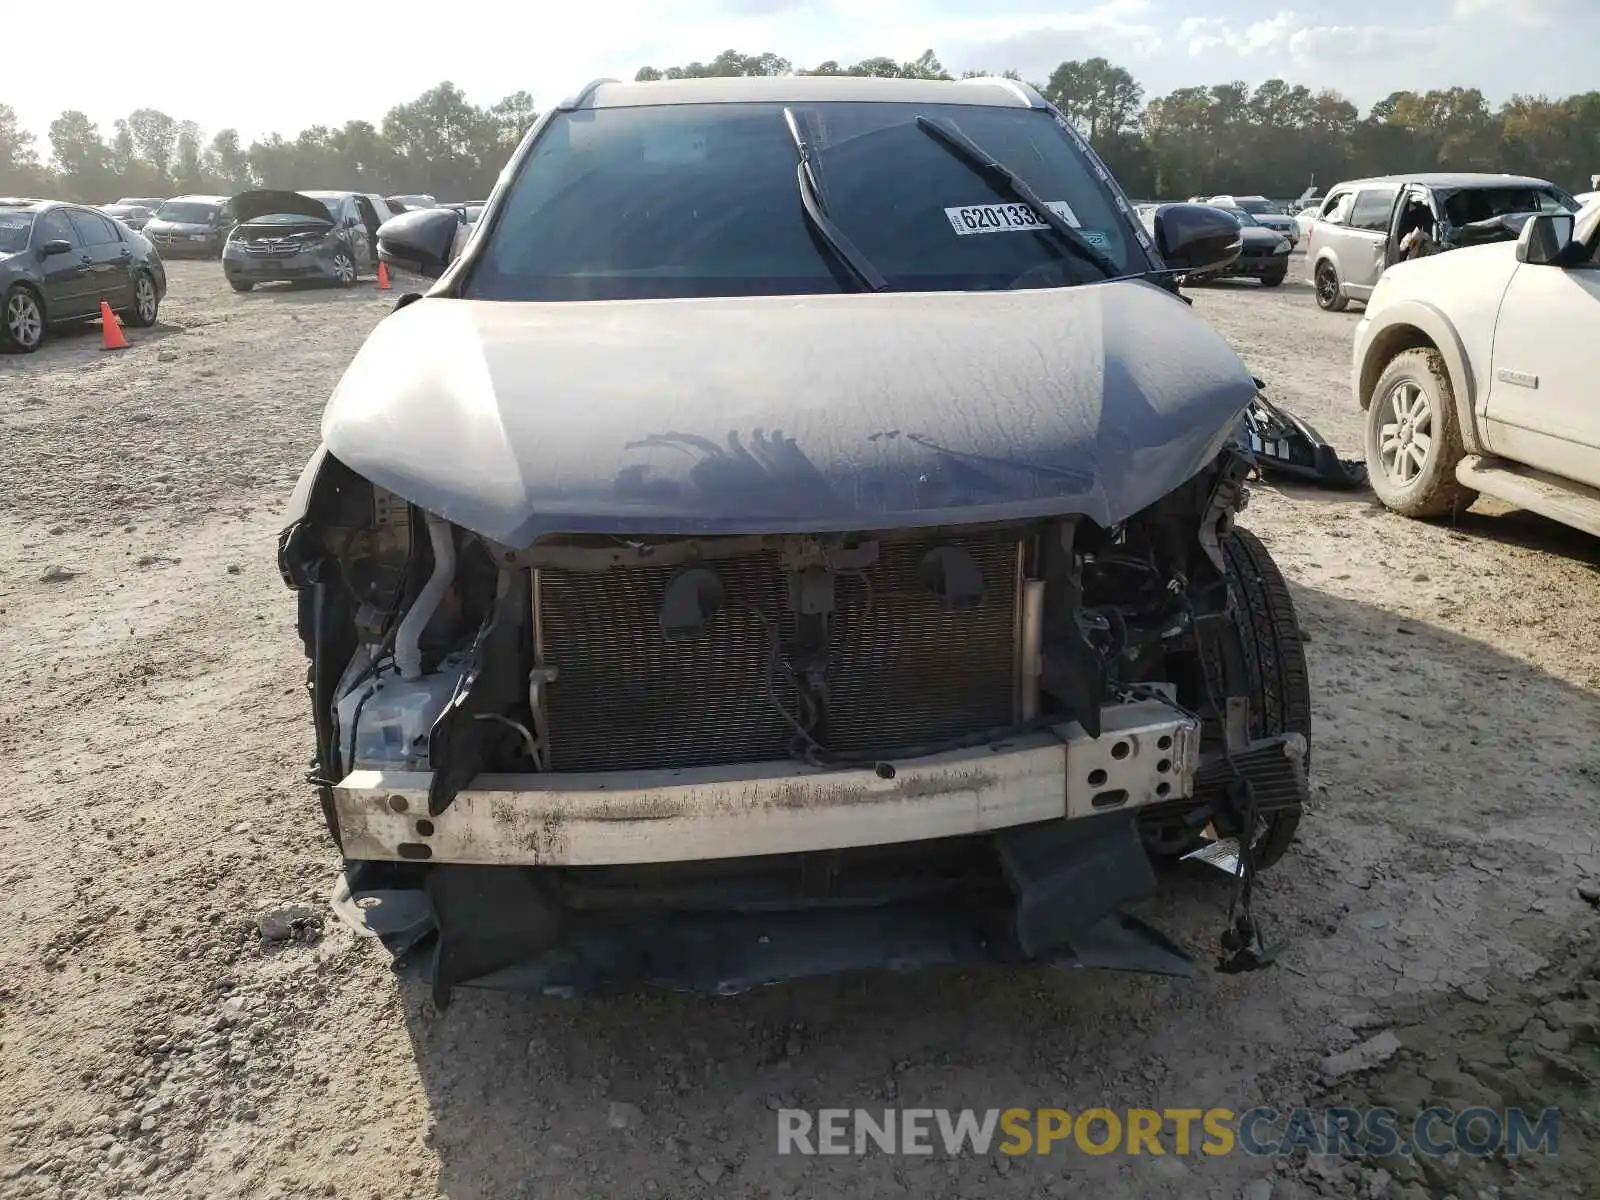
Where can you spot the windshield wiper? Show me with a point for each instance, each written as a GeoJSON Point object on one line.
{"type": "Point", "coordinates": [1003, 177]}
{"type": "Point", "coordinates": [811, 200]}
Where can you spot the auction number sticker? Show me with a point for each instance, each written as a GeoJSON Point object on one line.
{"type": "Point", "coordinates": [1004, 218]}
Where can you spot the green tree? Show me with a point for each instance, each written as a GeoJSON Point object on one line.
{"type": "Point", "coordinates": [227, 162]}
{"type": "Point", "coordinates": [80, 157]}
{"type": "Point", "coordinates": [728, 64]}
{"type": "Point", "coordinates": [19, 161]}
{"type": "Point", "coordinates": [1274, 138]}
{"type": "Point", "coordinates": [155, 139]}
{"type": "Point", "coordinates": [437, 139]}
{"type": "Point", "coordinates": [122, 152]}
{"type": "Point", "coordinates": [1102, 100]}
{"type": "Point", "coordinates": [191, 175]}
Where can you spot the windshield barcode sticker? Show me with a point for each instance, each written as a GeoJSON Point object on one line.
{"type": "Point", "coordinates": [1004, 218]}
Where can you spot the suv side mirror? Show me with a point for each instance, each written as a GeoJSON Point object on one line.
{"type": "Point", "coordinates": [1196, 237]}
{"type": "Point", "coordinates": [419, 241]}
{"type": "Point", "coordinates": [1544, 239]}
{"type": "Point", "coordinates": [56, 246]}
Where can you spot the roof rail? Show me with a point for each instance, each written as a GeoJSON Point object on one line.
{"type": "Point", "coordinates": [578, 101]}
{"type": "Point", "coordinates": [1022, 91]}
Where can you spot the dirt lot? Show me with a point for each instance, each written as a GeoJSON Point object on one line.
{"type": "Point", "coordinates": [155, 730]}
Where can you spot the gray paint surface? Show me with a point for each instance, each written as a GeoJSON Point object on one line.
{"type": "Point", "coordinates": [787, 414]}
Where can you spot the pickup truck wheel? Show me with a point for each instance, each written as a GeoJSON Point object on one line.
{"type": "Point", "coordinates": [1413, 439]}
{"type": "Point", "coordinates": [1330, 296]}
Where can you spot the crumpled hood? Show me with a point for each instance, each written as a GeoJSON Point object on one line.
{"type": "Point", "coordinates": [787, 414]}
{"type": "Point", "coordinates": [247, 206]}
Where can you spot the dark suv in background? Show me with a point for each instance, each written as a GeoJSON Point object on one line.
{"type": "Point", "coordinates": [190, 226]}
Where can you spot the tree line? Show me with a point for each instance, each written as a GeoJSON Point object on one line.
{"type": "Point", "coordinates": [1274, 139]}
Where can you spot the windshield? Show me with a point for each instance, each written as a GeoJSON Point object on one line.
{"type": "Point", "coordinates": [187, 212]}
{"type": "Point", "coordinates": [703, 200]}
{"type": "Point", "coordinates": [14, 227]}
{"type": "Point", "coordinates": [1482, 204]}
{"type": "Point", "coordinates": [1260, 207]}
{"type": "Point", "coordinates": [1242, 215]}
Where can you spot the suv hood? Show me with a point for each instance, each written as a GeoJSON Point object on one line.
{"type": "Point", "coordinates": [247, 206]}
{"type": "Point", "coordinates": [787, 414]}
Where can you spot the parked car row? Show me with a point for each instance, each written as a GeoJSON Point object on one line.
{"type": "Point", "coordinates": [59, 261]}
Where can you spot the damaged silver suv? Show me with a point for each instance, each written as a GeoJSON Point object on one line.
{"type": "Point", "coordinates": [794, 533]}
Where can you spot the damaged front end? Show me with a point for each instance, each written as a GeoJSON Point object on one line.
{"type": "Point", "coordinates": [717, 762]}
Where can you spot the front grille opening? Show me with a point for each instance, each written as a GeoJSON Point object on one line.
{"type": "Point", "coordinates": [905, 669]}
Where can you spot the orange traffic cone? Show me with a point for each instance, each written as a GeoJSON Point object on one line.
{"type": "Point", "coordinates": [383, 277]}
{"type": "Point", "coordinates": [110, 329]}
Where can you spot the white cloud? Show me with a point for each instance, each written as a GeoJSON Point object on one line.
{"type": "Point", "coordinates": [1535, 13]}
{"type": "Point", "coordinates": [1293, 36]}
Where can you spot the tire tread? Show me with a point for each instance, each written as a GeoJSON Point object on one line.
{"type": "Point", "coordinates": [1275, 661]}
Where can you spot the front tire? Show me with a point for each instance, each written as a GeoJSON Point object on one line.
{"type": "Point", "coordinates": [1413, 439]}
{"type": "Point", "coordinates": [146, 302]}
{"type": "Point", "coordinates": [1274, 279]}
{"type": "Point", "coordinates": [1330, 292]}
{"type": "Point", "coordinates": [242, 285]}
{"type": "Point", "coordinates": [21, 320]}
{"type": "Point", "coordinates": [1272, 663]}
{"type": "Point", "coordinates": [344, 269]}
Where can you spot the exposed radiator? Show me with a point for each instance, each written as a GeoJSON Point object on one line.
{"type": "Point", "coordinates": [906, 671]}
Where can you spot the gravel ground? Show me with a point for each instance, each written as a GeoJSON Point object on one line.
{"type": "Point", "coordinates": [152, 1043]}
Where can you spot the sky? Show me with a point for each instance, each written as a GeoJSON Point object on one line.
{"type": "Point", "coordinates": [216, 65]}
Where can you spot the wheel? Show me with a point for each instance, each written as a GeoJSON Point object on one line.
{"type": "Point", "coordinates": [1413, 439]}
{"type": "Point", "coordinates": [21, 320]}
{"type": "Point", "coordinates": [344, 269]}
{"type": "Point", "coordinates": [1330, 296]}
{"type": "Point", "coordinates": [146, 303]}
{"type": "Point", "coordinates": [1272, 662]}
{"type": "Point", "coordinates": [242, 285]}
{"type": "Point", "coordinates": [1274, 279]}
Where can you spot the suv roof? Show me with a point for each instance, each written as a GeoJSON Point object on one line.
{"type": "Point", "coordinates": [987, 91]}
{"type": "Point", "coordinates": [1450, 179]}
{"type": "Point", "coordinates": [197, 199]}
